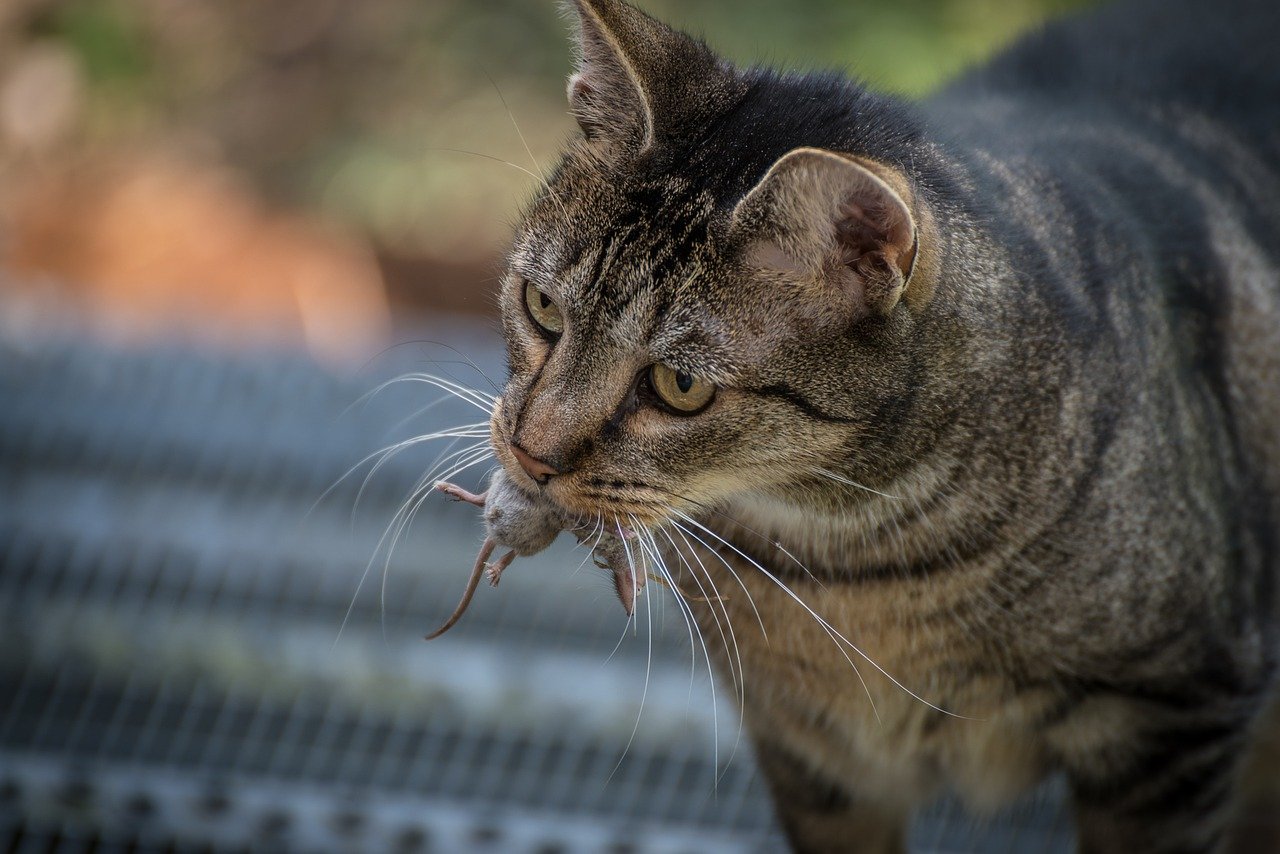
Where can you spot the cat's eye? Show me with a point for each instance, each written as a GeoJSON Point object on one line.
{"type": "Point", "coordinates": [683, 392]}
{"type": "Point", "coordinates": [544, 312]}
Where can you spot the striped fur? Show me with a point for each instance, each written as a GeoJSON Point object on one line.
{"type": "Point", "coordinates": [1009, 422]}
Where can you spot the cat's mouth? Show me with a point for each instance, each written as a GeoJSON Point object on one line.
{"type": "Point", "coordinates": [583, 495]}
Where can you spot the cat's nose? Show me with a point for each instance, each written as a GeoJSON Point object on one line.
{"type": "Point", "coordinates": [534, 467]}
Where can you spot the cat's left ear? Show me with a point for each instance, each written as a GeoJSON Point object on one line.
{"type": "Point", "coordinates": [836, 221]}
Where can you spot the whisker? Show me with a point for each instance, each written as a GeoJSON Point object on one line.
{"type": "Point", "coordinates": [443, 455]}
{"type": "Point", "coordinates": [463, 358]}
{"type": "Point", "coordinates": [743, 525]}
{"type": "Point", "coordinates": [648, 667]}
{"type": "Point", "coordinates": [418, 413]}
{"type": "Point", "coordinates": [395, 520]}
{"type": "Point", "coordinates": [839, 478]}
{"type": "Point", "coordinates": [453, 432]}
{"type": "Point", "coordinates": [691, 621]}
{"type": "Point", "coordinates": [741, 685]}
{"type": "Point", "coordinates": [515, 125]}
{"type": "Point", "coordinates": [635, 571]}
{"type": "Point", "coordinates": [378, 547]}
{"type": "Point", "coordinates": [482, 400]}
{"type": "Point", "coordinates": [831, 630]}
{"type": "Point", "coordinates": [426, 487]}
{"type": "Point", "coordinates": [661, 574]}
{"type": "Point", "coordinates": [712, 600]}
{"type": "Point", "coordinates": [617, 646]}
{"type": "Point", "coordinates": [534, 175]}
{"type": "Point", "coordinates": [685, 532]}
{"type": "Point", "coordinates": [438, 148]}
{"type": "Point", "coordinates": [590, 551]}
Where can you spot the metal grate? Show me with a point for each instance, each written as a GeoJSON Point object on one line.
{"type": "Point", "coordinates": [172, 676]}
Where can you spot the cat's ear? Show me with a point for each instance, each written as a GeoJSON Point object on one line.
{"type": "Point", "coordinates": [832, 219]}
{"type": "Point", "coordinates": [635, 75]}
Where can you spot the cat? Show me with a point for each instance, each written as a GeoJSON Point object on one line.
{"type": "Point", "coordinates": [956, 423]}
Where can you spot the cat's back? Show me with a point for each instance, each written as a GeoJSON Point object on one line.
{"type": "Point", "coordinates": [1218, 59]}
{"type": "Point", "coordinates": [1174, 87]}
{"type": "Point", "coordinates": [1128, 159]}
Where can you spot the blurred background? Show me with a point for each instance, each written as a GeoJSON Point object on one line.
{"type": "Point", "coordinates": [223, 224]}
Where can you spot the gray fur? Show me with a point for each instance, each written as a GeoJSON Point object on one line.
{"type": "Point", "coordinates": [516, 521]}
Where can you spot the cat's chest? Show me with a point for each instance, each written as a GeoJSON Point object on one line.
{"type": "Point", "coordinates": [889, 683]}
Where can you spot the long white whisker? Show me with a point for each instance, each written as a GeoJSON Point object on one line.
{"type": "Point", "coordinates": [444, 383]}
{"type": "Point", "coordinates": [770, 540]}
{"type": "Point", "coordinates": [713, 598]}
{"type": "Point", "coordinates": [831, 630]}
{"type": "Point", "coordinates": [635, 571]}
{"type": "Point", "coordinates": [395, 519]}
{"type": "Point", "coordinates": [691, 620]}
{"type": "Point", "coordinates": [423, 490]}
{"type": "Point", "coordinates": [533, 160]}
{"type": "Point", "coordinates": [750, 600]}
{"type": "Point", "coordinates": [463, 359]}
{"type": "Point", "coordinates": [443, 455]}
{"type": "Point", "coordinates": [590, 551]}
{"type": "Point", "coordinates": [418, 413]}
{"type": "Point", "coordinates": [482, 400]}
{"type": "Point", "coordinates": [741, 685]}
{"type": "Point", "coordinates": [442, 459]}
{"type": "Point", "coordinates": [378, 389]}
{"type": "Point", "coordinates": [617, 646]}
{"type": "Point", "coordinates": [463, 431]}
{"type": "Point", "coordinates": [839, 478]}
{"type": "Point", "coordinates": [661, 568]}
{"type": "Point", "coordinates": [534, 175]}
{"type": "Point", "coordinates": [648, 666]}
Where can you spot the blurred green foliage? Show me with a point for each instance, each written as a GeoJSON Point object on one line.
{"type": "Point", "coordinates": [108, 41]}
{"type": "Point", "coordinates": [905, 46]}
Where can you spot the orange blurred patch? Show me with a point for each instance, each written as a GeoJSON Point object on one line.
{"type": "Point", "coordinates": [152, 245]}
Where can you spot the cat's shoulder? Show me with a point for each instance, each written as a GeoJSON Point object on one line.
{"type": "Point", "coordinates": [1222, 56]}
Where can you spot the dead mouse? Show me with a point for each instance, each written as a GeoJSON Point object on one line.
{"type": "Point", "coordinates": [525, 526]}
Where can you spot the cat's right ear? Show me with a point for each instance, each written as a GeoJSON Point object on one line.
{"type": "Point", "coordinates": [834, 223]}
{"type": "Point", "coordinates": [637, 79]}
{"type": "Point", "coordinates": [606, 93]}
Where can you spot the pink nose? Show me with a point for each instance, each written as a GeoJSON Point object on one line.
{"type": "Point", "coordinates": [534, 467]}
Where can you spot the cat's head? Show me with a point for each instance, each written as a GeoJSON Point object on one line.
{"type": "Point", "coordinates": [715, 294]}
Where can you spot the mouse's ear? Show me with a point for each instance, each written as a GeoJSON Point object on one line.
{"type": "Point", "coordinates": [636, 78]}
{"type": "Point", "coordinates": [835, 221]}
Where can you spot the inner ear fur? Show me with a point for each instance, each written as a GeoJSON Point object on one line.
{"type": "Point", "coordinates": [840, 221]}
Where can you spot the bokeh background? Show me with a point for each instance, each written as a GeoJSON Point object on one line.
{"type": "Point", "coordinates": [321, 171]}
{"type": "Point", "coordinates": [222, 224]}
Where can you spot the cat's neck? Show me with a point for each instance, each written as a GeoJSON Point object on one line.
{"type": "Point", "coordinates": [836, 529]}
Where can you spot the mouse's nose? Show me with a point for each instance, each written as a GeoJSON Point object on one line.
{"type": "Point", "coordinates": [534, 467]}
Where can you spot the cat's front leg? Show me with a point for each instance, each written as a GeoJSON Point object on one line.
{"type": "Point", "coordinates": [1169, 790]}
{"type": "Point", "coordinates": [821, 815]}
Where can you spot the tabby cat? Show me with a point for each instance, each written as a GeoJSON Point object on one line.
{"type": "Point", "coordinates": [963, 416]}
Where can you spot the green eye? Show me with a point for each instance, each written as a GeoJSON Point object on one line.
{"type": "Point", "coordinates": [544, 312]}
{"type": "Point", "coordinates": [682, 391]}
